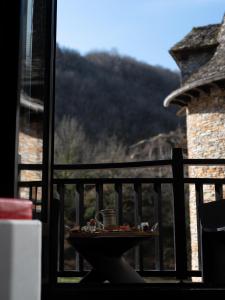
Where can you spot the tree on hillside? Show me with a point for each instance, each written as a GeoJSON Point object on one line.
{"type": "Point", "coordinates": [113, 95]}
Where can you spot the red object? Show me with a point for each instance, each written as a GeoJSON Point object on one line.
{"type": "Point", "coordinates": [15, 209]}
{"type": "Point", "coordinates": [125, 227]}
{"type": "Point", "coordinates": [92, 222]}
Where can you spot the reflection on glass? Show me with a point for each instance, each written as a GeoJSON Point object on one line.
{"type": "Point", "coordinates": [30, 150]}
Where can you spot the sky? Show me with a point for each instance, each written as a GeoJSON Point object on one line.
{"type": "Point", "coordinates": [143, 29]}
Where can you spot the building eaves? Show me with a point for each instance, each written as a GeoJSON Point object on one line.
{"type": "Point", "coordinates": [211, 72]}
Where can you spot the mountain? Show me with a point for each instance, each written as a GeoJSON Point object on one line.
{"type": "Point", "coordinates": [113, 95]}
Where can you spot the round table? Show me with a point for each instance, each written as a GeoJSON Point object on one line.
{"type": "Point", "coordinates": [104, 251]}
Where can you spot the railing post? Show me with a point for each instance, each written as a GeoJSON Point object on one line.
{"type": "Point", "coordinates": [179, 215]}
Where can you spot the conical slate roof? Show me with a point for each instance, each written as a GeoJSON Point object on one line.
{"type": "Point", "coordinates": [199, 37]}
{"type": "Point", "coordinates": [207, 44]}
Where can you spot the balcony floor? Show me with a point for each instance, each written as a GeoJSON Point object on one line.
{"type": "Point", "coordinates": [78, 291]}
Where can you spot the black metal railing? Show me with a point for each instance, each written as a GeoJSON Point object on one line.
{"type": "Point", "coordinates": [117, 184]}
{"type": "Point", "coordinates": [177, 181]}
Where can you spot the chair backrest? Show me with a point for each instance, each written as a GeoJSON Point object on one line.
{"type": "Point", "coordinates": [212, 215]}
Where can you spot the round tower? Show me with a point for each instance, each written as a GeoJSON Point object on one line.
{"type": "Point", "coordinates": [201, 59]}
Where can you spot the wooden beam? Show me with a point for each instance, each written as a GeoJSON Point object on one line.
{"type": "Point", "coordinates": [184, 98]}
{"type": "Point", "coordinates": [181, 112]}
{"type": "Point", "coordinates": [206, 89]}
{"type": "Point", "coordinates": [220, 84]}
{"type": "Point", "coordinates": [179, 102]}
{"type": "Point", "coordinates": [194, 93]}
{"type": "Point", "coordinates": [187, 94]}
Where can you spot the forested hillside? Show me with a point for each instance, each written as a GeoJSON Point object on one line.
{"type": "Point", "coordinates": [114, 96]}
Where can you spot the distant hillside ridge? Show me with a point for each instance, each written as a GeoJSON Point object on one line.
{"type": "Point", "coordinates": [114, 95]}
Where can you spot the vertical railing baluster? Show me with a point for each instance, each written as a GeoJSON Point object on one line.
{"type": "Point", "coordinates": [158, 219]}
{"type": "Point", "coordinates": [138, 203]}
{"type": "Point", "coordinates": [31, 198]}
{"type": "Point", "coordinates": [179, 215]}
{"type": "Point", "coordinates": [79, 205]}
{"type": "Point", "coordinates": [218, 191]}
{"type": "Point", "coordinates": [119, 203]}
{"type": "Point", "coordinates": [137, 221]}
{"type": "Point", "coordinates": [99, 197]}
{"type": "Point", "coordinates": [38, 204]}
{"type": "Point", "coordinates": [199, 200]}
{"type": "Point", "coordinates": [61, 191]}
{"type": "Point", "coordinates": [199, 194]}
{"type": "Point", "coordinates": [30, 192]}
{"type": "Point", "coordinates": [34, 200]}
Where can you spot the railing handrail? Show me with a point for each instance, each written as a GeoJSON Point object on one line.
{"type": "Point", "coordinates": [30, 167]}
{"type": "Point", "coordinates": [203, 161]}
{"type": "Point", "coordinates": [189, 180]}
{"type": "Point", "coordinates": [35, 183]}
{"type": "Point", "coordinates": [96, 166]}
{"type": "Point", "coordinates": [111, 180]}
{"type": "Point", "coordinates": [121, 165]}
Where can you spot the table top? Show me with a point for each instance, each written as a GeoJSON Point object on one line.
{"type": "Point", "coordinates": [112, 234]}
{"type": "Point", "coordinates": [107, 243]}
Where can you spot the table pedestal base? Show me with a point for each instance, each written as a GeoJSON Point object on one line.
{"type": "Point", "coordinates": [105, 254]}
{"type": "Point", "coordinates": [113, 269]}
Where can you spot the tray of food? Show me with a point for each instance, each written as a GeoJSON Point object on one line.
{"type": "Point", "coordinates": [115, 231]}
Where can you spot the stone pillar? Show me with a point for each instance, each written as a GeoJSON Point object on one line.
{"type": "Point", "coordinates": [206, 139]}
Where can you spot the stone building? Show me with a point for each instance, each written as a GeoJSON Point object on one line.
{"type": "Point", "coordinates": [200, 56]}
{"type": "Point", "coordinates": [30, 135]}
{"type": "Point", "coordinates": [159, 146]}
{"type": "Point", "coordinates": [30, 142]}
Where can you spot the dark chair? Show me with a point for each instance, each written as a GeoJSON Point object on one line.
{"type": "Point", "coordinates": [212, 215]}
{"type": "Point", "coordinates": [212, 218]}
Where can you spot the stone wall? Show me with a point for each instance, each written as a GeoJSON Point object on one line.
{"type": "Point", "coordinates": [206, 139]}
{"type": "Point", "coordinates": [30, 152]}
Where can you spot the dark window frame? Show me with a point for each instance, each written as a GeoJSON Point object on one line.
{"type": "Point", "coordinates": [11, 52]}
{"type": "Point", "coordinates": [10, 64]}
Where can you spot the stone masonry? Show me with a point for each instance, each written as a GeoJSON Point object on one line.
{"type": "Point", "coordinates": [30, 152]}
{"type": "Point", "coordinates": [206, 139]}
{"type": "Point", "coordinates": [201, 58]}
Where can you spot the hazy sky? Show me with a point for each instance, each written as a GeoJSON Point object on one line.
{"type": "Point", "coordinates": [144, 29]}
